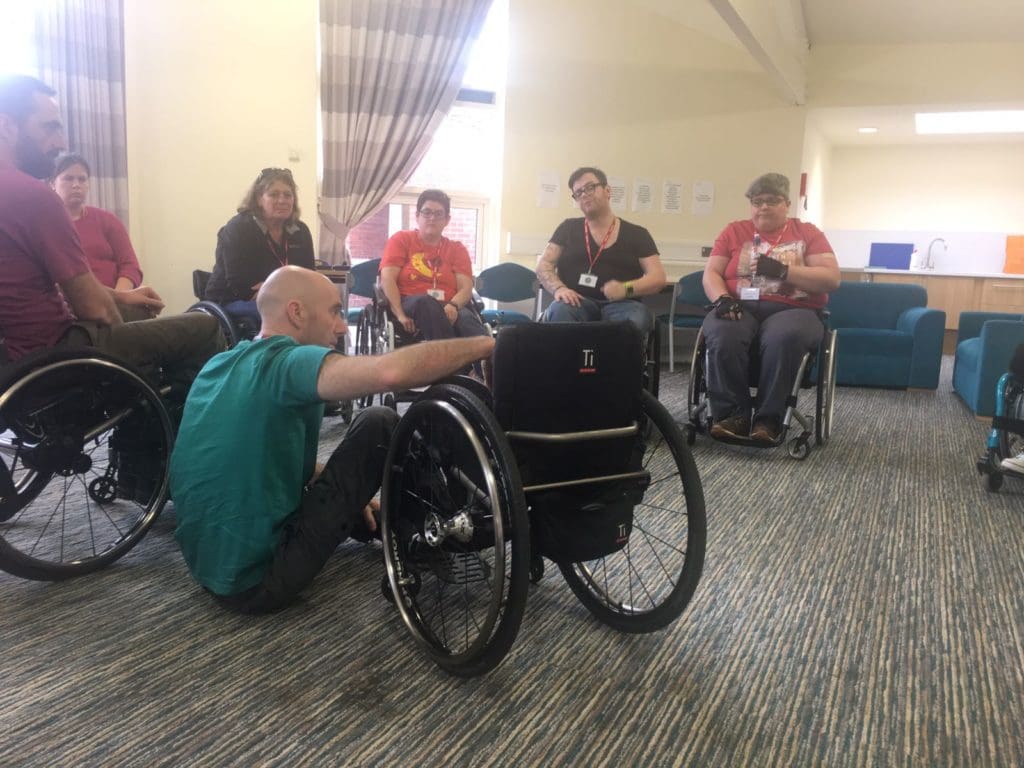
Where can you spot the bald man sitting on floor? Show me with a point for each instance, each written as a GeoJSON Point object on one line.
{"type": "Point", "coordinates": [257, 519]}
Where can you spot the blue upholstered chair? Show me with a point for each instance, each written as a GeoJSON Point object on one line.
{"type": "Point", "coordinates": [887, 335]}
{"type": "Point", "coordinates": [507, 283]}
{"type": "Point", "coordinates": [361, 281]}
{"type": "Point", "coordinates": [985, 342]}
{"type": "Point", "coordinates": [686, 310]}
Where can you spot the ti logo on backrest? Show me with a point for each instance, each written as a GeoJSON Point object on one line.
{"type": "Point", "coordinates": [588, 361]}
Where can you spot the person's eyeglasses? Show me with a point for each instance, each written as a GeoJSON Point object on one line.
{"type": "Point", "coordinates": [432, 213]}
{"type": "Point", "coordinates": [586, 189]}
{"type": "Point", "coordinates": [273, 171]}
{"type": "Point", "coordinates": [771, 202]}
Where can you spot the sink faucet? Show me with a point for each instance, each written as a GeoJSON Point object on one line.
{"type": "Point", "coordinates": [929, 262]}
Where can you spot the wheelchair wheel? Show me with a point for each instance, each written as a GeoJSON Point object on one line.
{"type": "Point", "coordinates": [826, 390]}
{"type": "Point", "coordinates": [647, 584]}
{"type": "Point", "coordinates": [652, 362]}
{"type": "Point", "coordinates": [455, 531]}
{"type": "Point", "coordinates": [84, 444]}
{"type": "Point", "coordinates": [230, 330]}
{"type": "Point", "coordinates": [697, 406]}
{"type": "Point", "coordinates": [1010, 443]}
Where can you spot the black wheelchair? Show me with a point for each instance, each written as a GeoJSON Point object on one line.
{"type": "Point", "coordinates": [1006, 440]}
{"type": "Point", "coordinates": [85, 442]}
{"type": "Point", "coordinates": [817, 370]}
{"type": "Point", "coordinates": [572, 461]}
{"type": "Point", "coordinates": [235, 329]}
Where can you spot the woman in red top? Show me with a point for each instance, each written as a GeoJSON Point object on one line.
{"type": "Point", "coordinates": [427, 278]}
{"type": "Point", "coordinates": [104, 239]}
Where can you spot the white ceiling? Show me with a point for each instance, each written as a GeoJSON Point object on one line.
{"type": "Point", "coordinates": [830, 22]}
{"type": "Point", "coordinates": [913, 21]}
{"type": "Point", "coordinates": [858, 22]}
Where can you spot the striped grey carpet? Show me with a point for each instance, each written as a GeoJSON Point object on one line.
{"type": "Point", "coordinates": [862, 608]}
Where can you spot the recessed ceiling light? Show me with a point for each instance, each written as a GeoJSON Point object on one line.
{"type": "Point", "coordinates": [985, 121]}
{"type": "Point", "coordinates": [867, 129]}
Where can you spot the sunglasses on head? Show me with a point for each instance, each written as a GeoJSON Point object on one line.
{"type": "Point", "coordinates": [273, 172]}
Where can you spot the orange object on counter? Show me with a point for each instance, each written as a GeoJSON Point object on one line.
{"type": "Point", "coordinates": [1014, 255]}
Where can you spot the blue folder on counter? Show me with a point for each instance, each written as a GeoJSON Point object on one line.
{"type": "Point", "coordinates": [891, 255]}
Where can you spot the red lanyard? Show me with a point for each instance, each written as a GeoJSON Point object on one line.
{"type": "Point", "coordinates": [282, 259]}
{"type": "Point", "coordinates": [438, 261]}
{"type": "Point", "coordinates": [586, 239]}
{"type": "Point", "coordinates": [778, 240]}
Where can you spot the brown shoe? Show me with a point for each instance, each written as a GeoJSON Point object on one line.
{"type": "Point", "coordinates": [765, 430]}
{"type": "Point", "coordinates": [736, 425]}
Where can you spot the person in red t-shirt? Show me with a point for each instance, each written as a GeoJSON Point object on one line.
{"type": "Point", "coordinates": [770, 274]}
{"type": "Point", "coordinates": [427, 278]}
{"type": "Point", "coordinates": [104, 239]}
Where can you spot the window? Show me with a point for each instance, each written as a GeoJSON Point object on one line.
{"type": "Point", "coordinates": [464, 159]}
{"type": "Point", "coordinates": [17, 54]}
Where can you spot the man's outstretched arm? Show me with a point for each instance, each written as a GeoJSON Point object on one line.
{"type": "Point", "coordinates": [344, 378]}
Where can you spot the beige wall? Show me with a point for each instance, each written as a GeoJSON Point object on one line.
{"type": "Point", "coordinates": [215, 91]}
{"type": "Point", "coordinates": [609, 84]}
{"type": "Point", "coordinates": [958, 187]}
{"type": "Point", "coordinates": [816, 163]}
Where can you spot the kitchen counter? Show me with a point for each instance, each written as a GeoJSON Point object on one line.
{"type": "Point", "coordinates": [930, 273]}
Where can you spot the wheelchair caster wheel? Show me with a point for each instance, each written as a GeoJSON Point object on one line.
{"type": "Point", "coordinates": [994, 481]}
{"type": "Point", "coordinates": [389, 401]}
{"type": "Point", "coordinates": [346, 411]}
{"type": "Point", "coordinates": [103, 490]}
{"type": "Point", "coordinates": [799, 449]}
{"type": "Point", "coordinates": [536, 569]}
{"type": "Point", "coordinates": [691, 434]}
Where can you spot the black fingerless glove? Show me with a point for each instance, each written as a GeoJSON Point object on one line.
{"type": "Point", "coordinates": [724, 305]}
{"type": "Point", "coordinates": [773, 268]}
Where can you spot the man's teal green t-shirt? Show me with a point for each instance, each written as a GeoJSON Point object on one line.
{"type": "Point", "coordinates": [245, 450]}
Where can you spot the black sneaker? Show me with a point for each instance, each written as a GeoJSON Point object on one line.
{"type": "Point", "coordinates": [737, 425]}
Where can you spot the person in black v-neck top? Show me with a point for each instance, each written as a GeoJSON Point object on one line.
{"type": "Point", "coordinates": [597, 267]}
{"type": "Point", "coordinates": [265, 234]}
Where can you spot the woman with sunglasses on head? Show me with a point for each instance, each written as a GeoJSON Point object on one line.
{"type": "Point", "coordinates": [104, 238]}
{"type": "Point", "coordinates": [768, 275]}
{"type": "Point", "coordinates": [427, 278]}
{"type": "Point", "coordinates": [265, 234]}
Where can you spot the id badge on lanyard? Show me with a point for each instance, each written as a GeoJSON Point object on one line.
{"type": "Point", "coordinates": [588, 279]}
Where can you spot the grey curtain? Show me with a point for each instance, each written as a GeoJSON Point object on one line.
{"type": "Point", "coordinates": [81, 53]}
{"type": "Point", "coordinates": [390, 71]}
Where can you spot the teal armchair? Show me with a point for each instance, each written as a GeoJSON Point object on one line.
{"type": "Point", "coordinates": [985, 343]}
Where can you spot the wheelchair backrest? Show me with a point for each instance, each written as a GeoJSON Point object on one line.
{"type": "Point", "coordinates": [567, 378]}
{"type": "Point", "coordinates": [363, 277]}
{"type": "Point", "coordinates": [200, 277]}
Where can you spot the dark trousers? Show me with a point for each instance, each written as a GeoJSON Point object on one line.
{"type": "Point", "coordinates": [331, 510]}
{"type": "Point", "coordinates": [170, 349]}
{"type": "Point", "coordinates": [783, 333]}
{"type": "Point", "coordinates": [432, 323]}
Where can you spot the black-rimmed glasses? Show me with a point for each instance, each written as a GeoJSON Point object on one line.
{"type": "Point", "coordinates": [586, 189]}
{"type": "Point", "coordinates": [432, 213]}
{"type": "Point", "coordinates": [771, 202]}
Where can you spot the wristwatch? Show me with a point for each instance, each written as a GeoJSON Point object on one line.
{"type": "Point", "coordinates": [629, 287]}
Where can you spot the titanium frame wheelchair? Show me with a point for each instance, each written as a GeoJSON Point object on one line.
{"type": "Point", "coordinates": [85, 442]}
{"type": "Point", "coordinates": [1007, 436]}
{"type": "Point", "coordinates": [817, 369]}
{"type": "Point", "coordinates": [575, 462]}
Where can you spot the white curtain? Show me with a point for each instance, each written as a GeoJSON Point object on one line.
{"type": "Point", "coordinates": [80, 45]}
{"type": "Point", "coordinates": [390, 71]}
